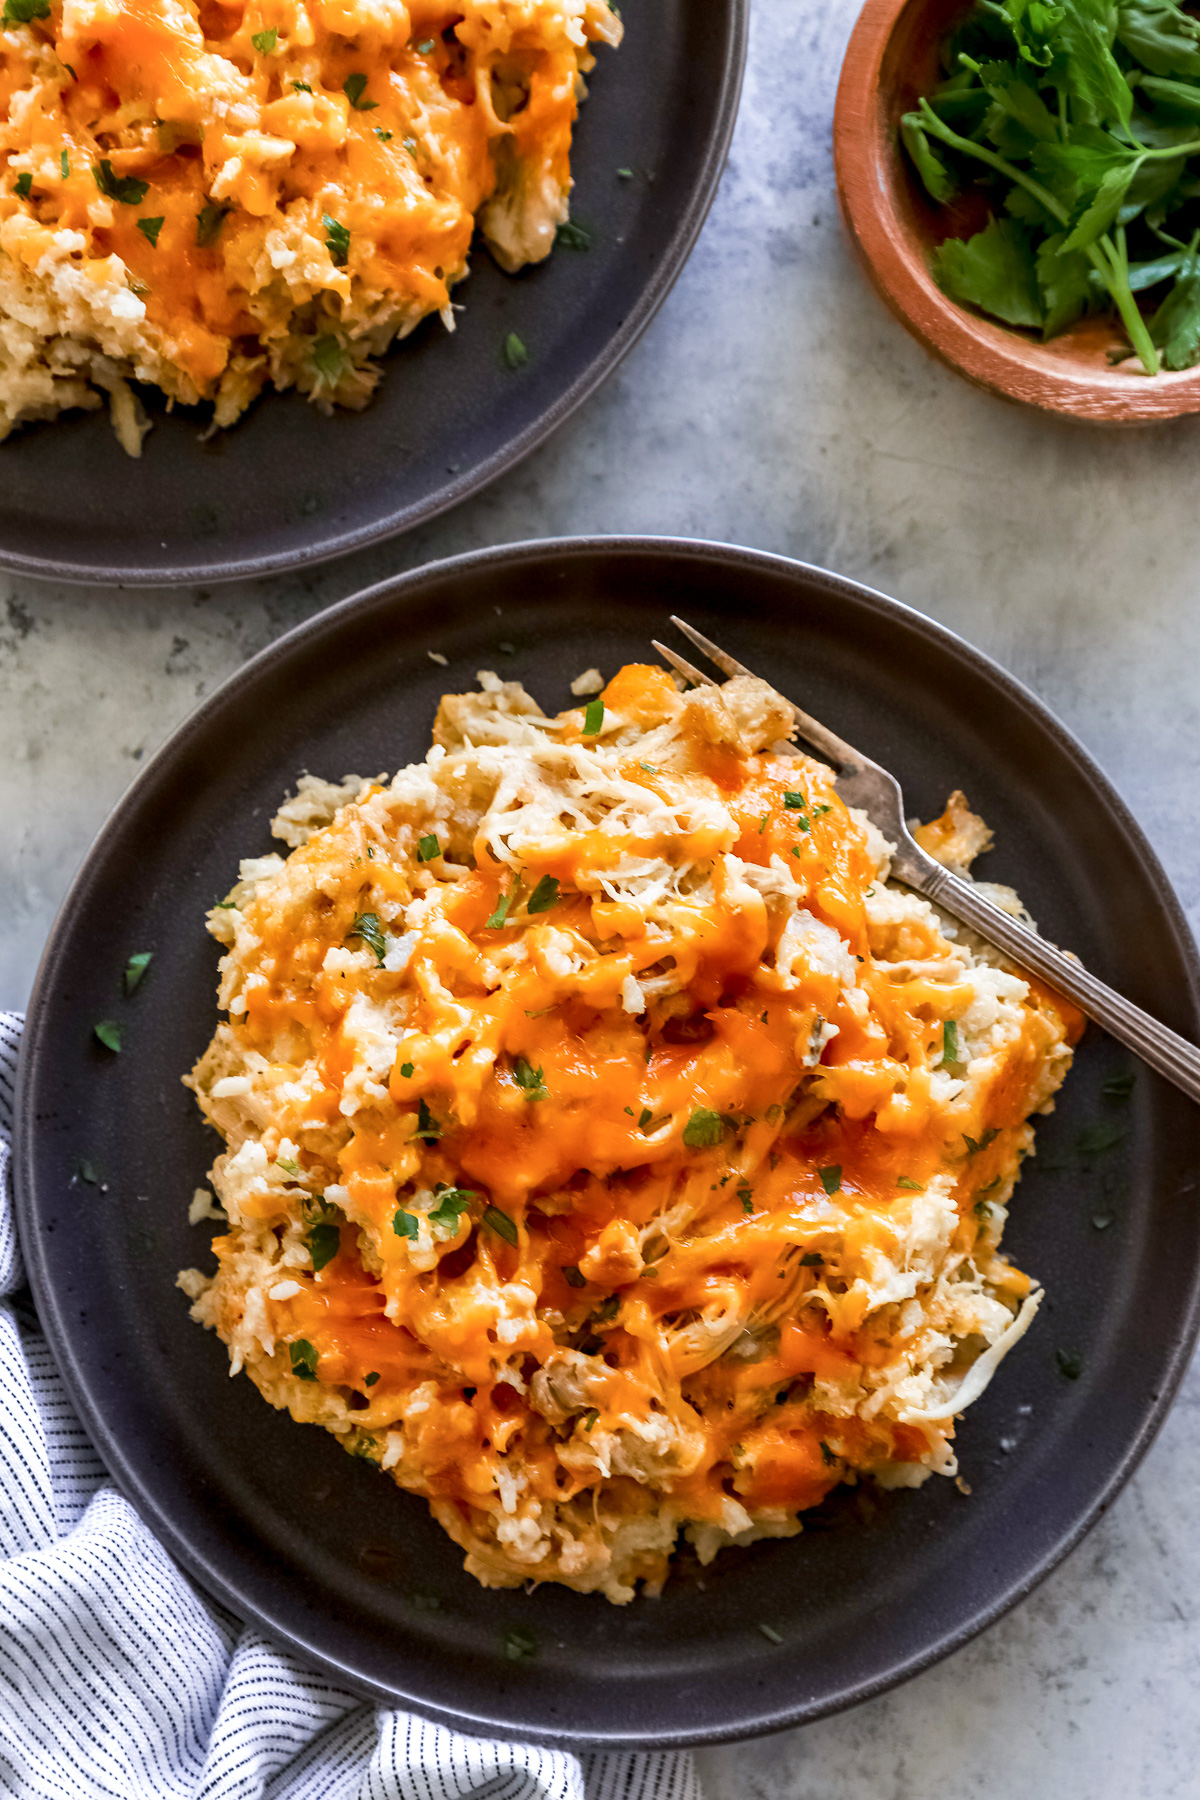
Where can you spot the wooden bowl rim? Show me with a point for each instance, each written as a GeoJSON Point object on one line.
{"type": "Point", "coordinates": [867, 169]}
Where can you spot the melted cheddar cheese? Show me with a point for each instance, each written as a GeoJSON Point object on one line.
{"type": "Point", "coordinates": [610, 1148]}
{"type": "Point", "coordinates": [214, 194]}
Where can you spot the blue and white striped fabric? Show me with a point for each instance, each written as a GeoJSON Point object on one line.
{"type": "Point", "coordinates": [119, 1679]}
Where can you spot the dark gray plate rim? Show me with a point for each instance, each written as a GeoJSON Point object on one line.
{"type": "Point", "coordinates": [729, 559]}
{"type": "Point", "coordinates": [450, 493]}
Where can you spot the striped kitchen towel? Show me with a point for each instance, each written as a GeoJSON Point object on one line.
{"type": "Point", "coordinates": [119, 1678]}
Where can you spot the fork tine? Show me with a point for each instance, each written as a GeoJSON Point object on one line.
{"type": "Point", "coordinates": [680, 664]}
{"type": "Point", "coordinates": [836, 749]}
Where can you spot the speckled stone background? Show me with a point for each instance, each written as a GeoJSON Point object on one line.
{"type": "Point", "coordinates": [775, 403]}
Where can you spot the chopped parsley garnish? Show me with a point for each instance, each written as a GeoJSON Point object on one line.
{"type": "Point", "coordinates": [425, 46]}
{"type": "Point", "coordinates": [607, 1310]}
{"type": "Point", "coordinates": [572, 236]}
{"type": "Point", "coordinates": [410, 144]}
{"type": "Point", "coordinates": [949, 1044]}
{"type": "Point", "coordinates": [1098, 1140]}
{"type": "Point", "coordinates": [1120, 1087]}
{"type": "Point", "coordinates": [371, 1379]}
{"type": "Point", "coordinates": [127, 189]}
{"type": "Point", "coordinates": [515, 353]}
{"type": "Point", "coordinates": [354, 87]}
{"type": "Point", "coordinates": [289, 1165]}
{"type": "Point", "coordinates": [367, 927]}
{"type": "Point", "coordinates": [136, 967]}
{"type": "Point", "coordinates": [812, 1259]}
{"type": "Point", "coordinates": [827, 1455]}
{"type": "Point", "coordinates": [590, 1417]}
{"type": "Point", "coordinates": [452, 1204]}
{"type": "Point", "coordinates": [974, 1146]}
{"type": "Point", "coordinates": [24, 12]}
{"type": "Point", "coordinates": [406, 1225]}
{"type": "Point", "coordinates": [302, 87]}
{"type": "Point", "coordinates": [1070, 1364]}
{"type": "Point", "coordinates": [830, 1177]}
{"type": "Point", "coordinates": [906, 1181]}
{"type": "Point", "coordinates": [64, 163]}
{"type": "Point", "coordinates": [649, 768]}
{"type": "Point", "coordinates": [209, 221]}
{"type": "Point", "coordinates": [704, 1129]}
{"type": "Point", "coordinates": [645, 1118]}
{"type": "Point", "coordinates": [109, 1033]}
{"type": "Point", "coordinates": [823, 808]}
{"type": "Point", "coordinates": [762, 823]}
{"type": "Point", "coordinates": [406, 1070]}
{"type": "Point", "coordinates": [150, 229]}
{"type": "Point", "coordinates": [328, 356]}
{"type": "Point", "coordinates": [24, 184]}
{"type": "Point", "coordinates": [324, 1242]}
{"type": "Point", "coordinates": [625, 174]}
{"type": "Point", "coordinates": [337, 241]}
{"type": "Point", "coordinates": [265, 41]}
{"type": "Point", "coordinates": [427, 1125]}
{"type": "Point", "coordinates": [385, 137]}
{"type": "Point", "coordinates": [573, 1276]}
{"type": "Point", "coordinates": [544, 895]}
{"type": "Point", "coordinates": [746, 1196]}
{"type": "Point", "coordinates": [428, 847]}
{"type": "Point", "coordinates": [519, 1644]}
{"type": "Point", "coordinates": [501, 1224]}
{"type": "Point", "coordinates": [530, 1079]}
{"type": "Point", "coordinates": [770, 1633]}
{"type": "Point", "coordinates": [794, 802]}
{"type": "Point", "coordinates": [649, 1273]}
{"type": "Point", "coordinates": [304, 1359]}
{"type": "Point", "coordinates": [501, 913]}
{"type": "Point", "coordinates": [593, 717]}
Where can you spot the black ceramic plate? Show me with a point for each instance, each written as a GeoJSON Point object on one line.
{"type": "Point", "coordinates": [288, 486]}
{"type": "Point", "coordinates": [287, 1529]}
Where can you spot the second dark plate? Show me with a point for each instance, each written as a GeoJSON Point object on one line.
{"type": "Point", "coordinates": [288, 486]}
{"type": "Point", "coordinates": [321, 1550]}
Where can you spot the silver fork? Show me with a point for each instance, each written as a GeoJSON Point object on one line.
{"type": "Point", "coordinates": [862, 783]}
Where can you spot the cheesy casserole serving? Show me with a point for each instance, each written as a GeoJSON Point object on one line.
{"type": "Point", "coordinates": [211, 195]}
{"type": "Point", "coordinates": [611, 1150]}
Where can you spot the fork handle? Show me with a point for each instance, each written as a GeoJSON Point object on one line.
{"type": "Point", "coordinates": [1163, 1049]}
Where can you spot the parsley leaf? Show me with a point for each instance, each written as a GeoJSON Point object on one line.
{"type": "Point", "coordinates": [519, 1644]}
{"type": "Point", "coordinates": [64, 163]}
{"type": "Point", "coordinates": [973, 1146]}
{"type": "Point", "coordinates": [324, 1242]}
{"type": "Point", "coordinates": [427, 1126]}
{"type": "Point", "coordinates": [906, 1181]}
{"type": "Point", "coordinates": [150, 229]}
{"type": "Point", "coordinates": [329, 359]}
{"type": "Point", "coordinates": [812, 1259]}
{"type": "Point", "coordinates": [337, 241]}
{"type": "Point", "coordinates": [406, 1225]}
{"type": "Point", "coordinates": [794, 802]}
{"type": "Point", "coordinates": [126, 189]}
{"type": "Point", "coordinates": [704, 1129]}
{"type": "Point", "coordinates": [385, 137]}
{"type": "Point", "coordinates": [573, 1276]}
{"type": "Point", "coordinates": [136, 967]}
{"type": "Point", "coordinates": [367, 927]}
{"type": "Point", "coordinates": [501, 1224]}
{"type": "Point", "coordinates": [515, 353]}
{"type": "Point", "coordinates": [452, 1204]}
{"type": "Point", "coordinates": [371, 1379]}
{"type": "Point", "coordinates": [530, 1079]}
{"type": "Point", "coordinates": [406, 1070]}
{"type": "Point", "coordinates": [593, 717]}
{"type": "Point", "coordinates": [354, 87]}
{"type": "Point", "coordinates": [209, 221]}
{"type": "Point", "coordinates": [544, 895]}
{"type": "Point", "coordinates": [1070, 1364]}
{"type": "Point", "coordinates": [1120, 1087]}
{"type": "Point", "coordinates": [830, 1177]}
{"type": "Point", "coordinates": [950, 1056]}
{"type": "Point", "coordinates": [24, 12]}
{"type": "Point", "coordinates": [302, 87]}
{"type": "Point", "coordinates": [572, 236]}
{"type": "Point", "coordinates": [109, 1033]}
{"type": "Point", "coordinates": [24, 185]}
{"type": "Point", "coordinates": [428, 847]}
{"type": "Point", "coordinates": [994, 270]}
{"type": "Point", "coordinates": [265, 41]}
{"type": "Point", "coordinates": [304, 1359]}
{"type": "Point", "coordinates": [502, 905]}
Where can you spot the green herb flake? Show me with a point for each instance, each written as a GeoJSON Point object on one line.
{"type": "Point", "coordinates": [87, 1172]}
{"type": "Point", "coordinates": [1098, 1140]}
{"type": "Point", "coordinates": [425, 46]}
{"type": "Point", "coordinates": [950, 1055]}
{"type": "Point", "coordinates": [770, 1633]}
{"type": "Point", "coordinates": [812, 1259]}
{"type": "Point", "coordinates": [607, 1310]}
{"type": "Point", "coordinates": [704, 1129]}
{"type": "Point", "coordinates": [1121, 1086]}
{"type": "Point", "coordinates": [519, 1645]}
{"type": "Point", "coordinates": [573, 1276]}
{"type": "Point", "coordinates": [827, 1455]}
{"type": "Point", "coordinates": [24, 12]}
{"type": "Point", "coordinates": [385, 137]}
{"type": "Point", "coordinates": [329, 359]}
{"type": "Point", "coordinates": [209, 221]}
{"type": "Point", "coordinates": [289, 1165]}
{"type": "Point", "coordinates": [371, 1379]}
{"type": "Point", "coordinates": [593, 717]}
{"type": "Point", "coordinates": [304, 1360]}
{"type": "Point", "coordinates": [428, 847]}
{"type": "Point", "coordinates": [427, 1126]}
{"type": "Point", "coordinates": [496, 922]}
{"type": "Point", "coordinates": [974, 1146]}
{"type": "Point", "coordinates": [501, 1224]}
{"type": "Point", "coordinates": [746, 1196]}
{"type": "Point", "coordinates": [452, 1204]}
{"type": "Point", "coordinates": [830, 1177]}
{"type": "Point", "coordinates": [126, 189]}
{"type": "Point", "coordinates": [367, 927]}
{"type": "Point", "coordinates": [1070, 1364]}
{"type": "Point", "coordinates": [150, 229]}
{"type": "Point", "coordinates": [515, 354]}
{"type": "Point", "coordinates": [572, 236]}
{"type": "Point", "coordinates": [529, 1079]}
{"type": "Point", "coordinates": [354, 87]}
{"type": "Point", "coordinates": [136, 967]}
{"type": "Point", "coordinates": [589, 1418]}
{"type": "Point", "coordinates": [794, 802]}
{"type": "Point", "coordinates": [906, 1181]}
{"type": "Point", "coordinates": [337, 241]}
{"type": "Point", "coordinates": [649, 1273]}
{"type": "Point", "coordinates": [265, 41]}
{"type": "Point", "coordinates": [324, 1242]}
{"type": "Point", "coordinates": [406, 1225]}
{"type": "Point", "coordinates": [301, 87]}
{"type": "Point", "coordinates": [24, 185]}
{"type": "Point", "coordinates": [410, 144]}
{"type": "Point", "coordinates": [64, 163]}
{"type": "Point", "coordinates": [544, 895]}
{"type": "Point", "coordinates": [109, 1033]}
{"type": "Point", "coordinates": [406, 1071]}
{"type": "Point", "coordinates": [645, 1118]}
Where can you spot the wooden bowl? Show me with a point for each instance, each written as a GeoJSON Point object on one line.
{"type": "Point", "coordinates": [891, 60]}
